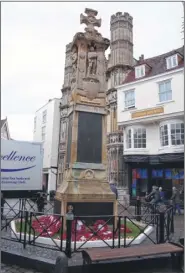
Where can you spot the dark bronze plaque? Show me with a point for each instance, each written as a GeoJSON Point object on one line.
{"type": "Point", "coordinates": [89, 149]}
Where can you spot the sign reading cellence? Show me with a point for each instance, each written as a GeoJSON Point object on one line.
{"type": "Point", "coordinates": [149, 112]}
{"type": "Point", "coordinates": [14, 156]}
{"type": "Point", "coordinates": [21, 165]}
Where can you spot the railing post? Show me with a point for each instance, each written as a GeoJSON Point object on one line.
{"type": "Point", "coordinates": [172, 221]}
{"type": "Point", "coordinates": [138, 209]}
{"type": "Point", "coordinates": [69, 219]}
{"type": "Point", "coordinates": [25, 228]}
{"type": "Point", "coordinates": [161, 227]}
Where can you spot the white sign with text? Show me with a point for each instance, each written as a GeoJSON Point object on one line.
{"type": "Point", "coordinates": [21, 165]}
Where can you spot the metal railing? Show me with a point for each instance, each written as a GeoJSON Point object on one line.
{"type": "Point", "coordinates": [56, 232]}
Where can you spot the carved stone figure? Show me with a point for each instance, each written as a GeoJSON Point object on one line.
{"type": "Point", "coordinates": [81, 66]}
{"type": "Point", "coordinates": [92, 61]}
{"type": "Point", "coordinates": [74, 57]}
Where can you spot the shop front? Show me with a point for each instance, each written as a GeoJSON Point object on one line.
{"type": "Point", "coordinates": [162, 171]}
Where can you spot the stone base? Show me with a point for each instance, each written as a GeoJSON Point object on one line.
{"type": "Point", "coordinates": [89, 197]}
{"type": "Point", "coordinates": [87, 191]}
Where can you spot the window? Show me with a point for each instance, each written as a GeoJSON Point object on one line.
{"type": "Point", "coordinates": [35, 123]}
{"type": "Point", "coordinates": [140, 138]}
{"type": "Point", "coordinates": [171, 61]}
{"type": "Point", "coordinates": [130, 99]}
{"type": "Point", "coordinates": [164, 135]}
{"type": "Point", "coordinates": [43, 133]}
{"type": "Point", "coordinates": [139, 71]}
{"type": "Point", "coordinates": [136, 138]}
{"type": "Point", "coordinates": [165, 91]}
{"type": "Point", "coordinates": [172, 134]}
{"type": "Point", "coordinates": [44, 116]}
{"type": "Point", "coordinates": [177, 134]}
{"type": "Point", "coordinates": [129, 139]}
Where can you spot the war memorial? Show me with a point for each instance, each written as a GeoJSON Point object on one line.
{"type": "Point", "coordinates": [85, 228]}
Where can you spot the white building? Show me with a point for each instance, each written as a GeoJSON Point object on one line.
{"type": "Point", "coordinates": [5, 133]}
{"type": "Point", "coordinates": [151, 112]}
{"type": "Point", "coordinates": [46, 130]}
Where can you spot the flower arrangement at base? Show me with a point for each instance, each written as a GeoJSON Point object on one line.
{"type": "Point", "coordinates": [78, 226]}
{"type": "Point", "coordinates": [48, 226]}
{"type": "Point", "coordinates": [100, 226]}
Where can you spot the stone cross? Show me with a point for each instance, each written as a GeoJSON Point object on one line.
{"type": "Point", "coordinates": [90, 20]}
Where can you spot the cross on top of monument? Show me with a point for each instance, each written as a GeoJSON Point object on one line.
{"type": "Point", "coordinates": [90, 20]}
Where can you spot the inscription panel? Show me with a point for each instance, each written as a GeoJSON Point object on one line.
{"type": "Point", "coordinates": [89, 145]}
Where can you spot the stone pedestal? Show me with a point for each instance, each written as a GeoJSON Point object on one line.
{"type": "Point", "coordinates": [85, 184]}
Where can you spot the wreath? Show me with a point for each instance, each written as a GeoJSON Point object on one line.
{"type": "Point", "coordinates": [100, 226]}
{"type": "Point", "coordinates": [46, 225]}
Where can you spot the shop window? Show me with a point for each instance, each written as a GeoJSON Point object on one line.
{"type": "Point", "coordinates": [168, 174]}
{"type": "Point", "coordinates": [157, 173]}
{"type": "Point", "coordinates": [139, 182]}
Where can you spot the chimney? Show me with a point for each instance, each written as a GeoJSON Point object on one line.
{"type": "Point", "coordinates": [141, 58]}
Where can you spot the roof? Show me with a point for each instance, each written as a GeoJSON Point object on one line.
{"type": "Point", "coordinates": [157, 65]}
{"type": "Point", "coordinates": [3, 121]}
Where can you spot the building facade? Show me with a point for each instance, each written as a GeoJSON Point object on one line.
{"type": "Point", "coordinates": [151, 111]}
{"type": "Point", "coordinates": [47, 130]}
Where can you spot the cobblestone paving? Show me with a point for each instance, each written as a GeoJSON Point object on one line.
{"type": "Point", "coordinates": [5, 268]}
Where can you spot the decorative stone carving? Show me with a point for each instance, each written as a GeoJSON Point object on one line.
{"type": "Point", "coordinates": [90, 20]}
{"type": "Point", "coordinates": [87, 174]}
{"type": "Point", "coordinates": [91, 87]}
{"type": "Point", "coordinates": [74, 57]}
{"type": "Point", "coordinates": [92, 61]}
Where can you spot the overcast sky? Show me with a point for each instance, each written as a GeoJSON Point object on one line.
{"type": "Point", "coordinates": [33, 39]}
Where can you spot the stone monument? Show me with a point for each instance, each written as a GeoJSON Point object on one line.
{"type": "Point", "coordinates": [85, 184]}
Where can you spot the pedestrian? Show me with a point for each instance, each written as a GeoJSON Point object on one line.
{"type": "Point", "coordinates": [162, 195]}
{"type": "Point", "coordinates": [114, 188]}
{"type": "Point", "coordinates": [2, 205]}
{"type": "Point", "coordinates": [40, 202]}
{"type": "Point", "coordinates": [154, 196]}
{"type": "Point", "coordinates": [176, 200]}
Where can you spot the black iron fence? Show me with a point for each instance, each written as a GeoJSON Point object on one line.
{"type": "Point", "coordinates": [37, 204]}
{"type": "Point", "coordinates": [72, 234]}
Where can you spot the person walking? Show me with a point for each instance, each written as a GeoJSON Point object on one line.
{"type": "Point", "coordinates": [162, 195]}
{"type": "Point", "coordinates": [154, 195]}
{"type": "Point", "coordinates": [176, 200]}
{"type": "Point", "coordinates": [114, 188]}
